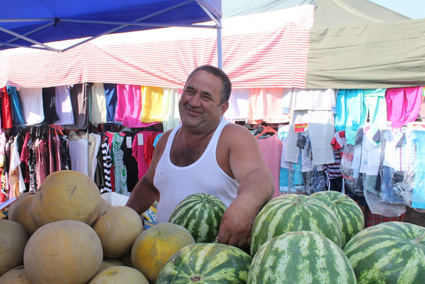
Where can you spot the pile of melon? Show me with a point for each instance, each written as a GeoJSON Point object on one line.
{"type": "Point", "coordinates": [67, 233]}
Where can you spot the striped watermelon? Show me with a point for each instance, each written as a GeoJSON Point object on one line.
{"type": "Point", "coordinates": [391, 252]}
{"type": "Point", "coordinates": [206, 263]}
{"type": "Point", "coordinates": [349, 214]}
{"type": "Point", "coordinates": [301, 257]}
{"type": "Point", "coordinates": [291, 212]}
{"type": "Point", "coordinates": [200, 214]}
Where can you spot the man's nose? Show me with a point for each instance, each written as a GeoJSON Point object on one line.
{"type": "Point", "coordinates": [195, 100]}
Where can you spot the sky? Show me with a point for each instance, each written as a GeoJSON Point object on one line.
{"type": "Point", "coordinates": [414, 9]}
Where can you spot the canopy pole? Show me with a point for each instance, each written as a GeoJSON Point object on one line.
{"type": "Point", "coordinates": [219, 47]}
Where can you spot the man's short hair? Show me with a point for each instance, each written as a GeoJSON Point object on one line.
{"type": "Point", "coordinates": [227, 85]}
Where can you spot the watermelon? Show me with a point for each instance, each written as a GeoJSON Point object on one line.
{"type": "Point", "coordinates": [391, 252]}
{"type": "Point", "coordinates": [200, 214]}
{"type": "Point", "coordinates": [301, 257]}
{"type": "Point", "coordinates": [291, 212]}
{"type": "Point", "coordinates": [349, 214]}
{"type": "Point", "coordinates": [206, 263]}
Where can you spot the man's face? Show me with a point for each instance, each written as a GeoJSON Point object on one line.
{"type": "Point", "coordinates": [199, 104]}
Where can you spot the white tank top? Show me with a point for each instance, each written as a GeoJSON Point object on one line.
{"type": "Point", "coordinates": [203, 176]}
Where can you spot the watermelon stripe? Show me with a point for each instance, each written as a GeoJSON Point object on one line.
{"type": "Point", "coordinates": [300, 257]}
{"type": "Point", "coordinates": [299, 213]}
{"type": "Point", "coordinates": [201, 215]}
{"type": "Point", "coordinates": [211, 263]}
{"type": "Point", "coordinates": [389, 253]}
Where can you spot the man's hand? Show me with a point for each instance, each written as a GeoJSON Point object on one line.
{"type": "Point", "coordinates": [236, 225]}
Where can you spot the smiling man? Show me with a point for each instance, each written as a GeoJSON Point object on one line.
{"type": "Point", "coordinates": [206, 154]}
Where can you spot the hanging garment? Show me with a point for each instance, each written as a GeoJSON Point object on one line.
{"type": "Point", "coordinates": [79, 153]}
{"type": "Point", "coordinates": [64, 106]}
{"type": "Point", "coordinates": [107, 164]}
{"type": "Point", "coordinates": [271, 150]}
{"type": "Point", "coordinates": [238, 105]}
{"type": "Point", "coordinates": [111, 101]}
{"type": "Point", "coordinates": [139, 144]}
{"type": "Point", "coordinates": [417, 138]}
{"type": "Point", "coordinates": [377, 107]}
{"type": "Point", "coordinates": [25, 157]}
{"type": "Point", "coordinates": [267, 105]}
{"type": "Point", "coordinates": [32, 105]}
{"type": "Point", "coordinates": [403, 105]}
{"type": "Point", "coordinates": [17, 112]}
{"type": "Point", "coordinates": [94, 146]}
{"type": "Point", "coordinates": [149, 148]}
{"type": "Point", "coordinates": [6, 110]}
{"type": "Point", "coordinates": [49, 106]}
{"type": "Point", "coordinates": [170, 115]}
{"type": "Point", "coordinates": [300, 99]}
{"type": "Point", "coordinates": [129, 105]}
{"type": "Point", "coordinates": [79, 94]}
{"type": "Point", "coordinates": [129, 160]}
{"type": "Point", "coordinates": [120, 171]}
{"type": "Point", "coordinates": [152, 104]}
{"type": "Point", "coordinates": [351, 113]}
{"type": "Point", "coordinates": [16, 180]}
{"type": "Point", "coordinates": [98, 104]}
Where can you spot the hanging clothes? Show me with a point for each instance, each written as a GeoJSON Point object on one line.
{"type": "Point", "coordinates": [120, 170]}
{"type": "Point", "coordinates": [152, 104]}
{"type": "Point", "coordinates": [17, 112]}
{"type": "Point", "coordinates": [139, 144]}
{"type": "Point", "coordinates": [403, 105]}
{"type": "Point", "coordinates": [6, 110]}
{"type": "Point", "coordinates": [98, 104]}
{"type": "Point", "coordinates": [79, 94]}
{"type": "Point", "coordinates": [170, 115]}
{"type": "Point", "coordinates": [78, 151]}
{"type": "Point", "coordinates": [238, 105]}
{"type": "Point", "coordinates": [111, 101]}
{"type": "Point", "coordinates": [32, 105]}
{"type": "Point", "coordinates": [267, 105]}
{"type": "Point", "coordinates": [129, 105]}
{"type": "Point", "coordinates": [64, 106]}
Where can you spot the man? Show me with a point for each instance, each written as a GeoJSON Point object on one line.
{"type": "Point", "coordinates": [207, 154]}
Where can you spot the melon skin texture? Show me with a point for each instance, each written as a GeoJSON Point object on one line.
{"type": "Point", "coordinates": [289, 213]}
{"type": "Point", "coordinates": [66, 195]}
{"type": "Point", "coordinates": [391, 252]}
{"type": "Point", "coordinates": [16, 275]}
{"type": "Point", "coordinates": [20, 212]}
{"type": "Point", "coordinates": [349, 214]}
{"type": "Point", "coordinates": [117, 229]}
{"type": "Point", "coordinates": [156, 245]}
{"type": "Point", "coordinates": [66, 251]}
{"type": "Point", "coordinates": [110, 262]}
{"type": "Point", "coordinates": [119, 275]}
{"type": "Point", "coordinates": [200, 214]}
{"type": "Point", "coordinates": [208, 264]}
{"type": "Point", "coordinates": [301, 257]}
{"type": "Point", "coordinates": [13, 240]}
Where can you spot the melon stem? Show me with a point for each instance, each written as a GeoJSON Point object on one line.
{"type": "Point", "coordinates": [420, 238]}
{"type": "Point", "coordinates": [339, 199]}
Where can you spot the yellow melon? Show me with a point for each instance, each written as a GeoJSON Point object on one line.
{"type": "Point", "coordinates": [110, 262]}
{"type": "Point", "coordinates": [66, 251]}
{"type": "Point", "coordinates": [20, 213]}
{"type": "Point", "coordinates": [15, 276]}
{"type": "Point", "coordinates": [66, 195]}
{"type": "Point", "coordinates": [106, 205]}
{"type": "Point", "coordinates": [117, 229]}
{"type": "Point", "coordinates": [156, 245]}
{"type": "Point", "coordinates": [13, 239]}
{"type": "Point", "coordinates": [119, 275]}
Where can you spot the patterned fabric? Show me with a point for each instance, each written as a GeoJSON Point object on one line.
{"type": "Point", "coordinates": [107, 164]}
{"type": "Point", "coordinates": [375, 219]}
{"type": "Point", "coordinates": [120, 170]}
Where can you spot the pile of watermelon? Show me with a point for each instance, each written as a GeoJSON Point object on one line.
{"type": "Point", "coordinates": [298, 239]}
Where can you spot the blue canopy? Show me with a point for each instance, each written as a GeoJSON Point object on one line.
{"type": "Point", "coordinates": [32, 23]}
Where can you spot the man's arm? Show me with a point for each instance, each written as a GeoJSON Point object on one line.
{"type": "Point", "coordinates": [145, 193]}
{"type": "Point", "coordinates": [256, 187]}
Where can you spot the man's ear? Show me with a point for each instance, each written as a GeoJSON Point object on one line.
{"type": "Point", "coordinates": [224, 107]}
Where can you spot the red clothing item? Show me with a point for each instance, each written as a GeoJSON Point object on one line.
{"type": "Point", "coordinates": [149, 148]}
{"type": "Point", "coordinates": [6, 110]}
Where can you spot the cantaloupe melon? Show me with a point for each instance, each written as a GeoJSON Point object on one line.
{"type": "Point", "coordinates": [156, 245]}
{"type": "Point", "coordinates": [15, 276]}
{"type": "Point", "coordinates": [66, 195]}
{"type": "Point", "coordinates": [20, 213]}
{"type": "Point", "coordinates": [119, 275]}
{"type": "Point", "coordinates": [65, 251]}
{"type": "Point", "coordinates": [13, 240]}
{"type": "Point", "coordinates": [117, 229]}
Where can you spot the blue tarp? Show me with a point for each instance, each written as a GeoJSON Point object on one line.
{"type": "Point", "coordinates": [42, 21]}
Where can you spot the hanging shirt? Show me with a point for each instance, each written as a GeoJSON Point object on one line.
{"type": "Point", "coordinates": [79, 95]}
{"type": "Point", "coordinates": [238, 105]}
{"type": "Point", "coordinates": [271, 150]}
{"type": "Point", "coordinates": [17, 112]}
{"type": "Point", "coordinates": [170, 109]}
{"type": "Point", "coordinates": [129, 105]}
{"type": "Point", "coordinates": [120, 171]}
{"type": "Point", "coordinates": [6, 110]}
{"type": "Point", "coordinates": [32, 105]}
{"type": "Point", "coordinates": [63, 106]}
{"type": "Point", "coordinates": [152, 104]}
{"type": "Point", "coordinates": [267, 105]}
{"type": "Point", "coordinates": [78, 151]}
{"type": "Point", "coordinates": [98, 104]}
{"type": "Point", "coordinates": [49, 106]}
{"type": "Point", "coordinates": [111, 101]}
{"type": "Point", "coordinates": [139, 144]}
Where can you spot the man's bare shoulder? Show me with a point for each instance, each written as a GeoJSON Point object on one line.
{"type": "Point", "coordinates": [235, 130]}
{"type": "Point", "coordinates": [162, 141]}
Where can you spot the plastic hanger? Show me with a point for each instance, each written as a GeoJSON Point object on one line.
{"type": "Point", "coordinates": [265, 130]}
